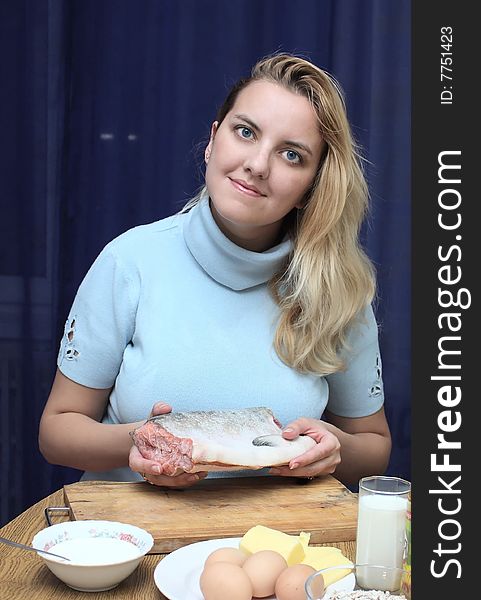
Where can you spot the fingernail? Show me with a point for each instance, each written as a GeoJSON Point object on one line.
{"type": "Point", "coordinates": [156, 469]}
{"type": "Point", "coordinates": [288, 430]}
{"type": "Point", "coordinates": [294, 466]}
{"type": "Point", "coordinates": [194, 477]}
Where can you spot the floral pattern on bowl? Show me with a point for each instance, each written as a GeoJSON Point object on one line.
{"type": "Point", "coordinates": [62, 532]}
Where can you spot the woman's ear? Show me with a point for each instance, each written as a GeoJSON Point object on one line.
{"type": "Point", "coordinates": [208, 150]}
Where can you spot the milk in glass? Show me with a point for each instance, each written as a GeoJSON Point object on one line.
{"type": "Point", "coordinates": [380, 539]}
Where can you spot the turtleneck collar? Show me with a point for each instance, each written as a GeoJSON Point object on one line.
{"type": "Point", "coordinates": [224, 261]}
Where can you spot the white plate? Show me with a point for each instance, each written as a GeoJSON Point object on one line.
{"type": "Point", "coordinates": [177, 575]}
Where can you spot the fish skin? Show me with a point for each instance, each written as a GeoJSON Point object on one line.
{"type": "Point", "coordinates": [224, 440]}
{"type": "Point", "coordinates": [221, 422]}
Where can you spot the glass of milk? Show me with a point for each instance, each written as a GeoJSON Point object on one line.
{"type": "Point", "coordinates": [381, 525]}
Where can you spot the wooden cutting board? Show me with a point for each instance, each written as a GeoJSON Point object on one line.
{"type": "Point", "coordinates": [219, 508]}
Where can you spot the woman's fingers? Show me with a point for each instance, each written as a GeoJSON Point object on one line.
{"type": "Point", "coordinates": [139, 464]}
{"type": "Point", "coordinates": [322, 459]}
{"type": "Point", "coordinates": [160, 408]}
{"type": "Point", "coordinates": [327, 447]}
{"type": "Point", "coordinates": [152, 472]}
{"type": "Point", "coordinates": [177, 481]}
{"type": "Point", "coordinates": [315, 469]}
{"type": "Point", "coordinates": [304, 426]}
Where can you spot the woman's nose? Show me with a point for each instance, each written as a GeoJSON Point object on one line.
{"type": "Point", "coordinates": [257, 162]}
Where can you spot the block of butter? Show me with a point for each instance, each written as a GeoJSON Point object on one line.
{"type": "Point", "coordinates": [322, 557]}
{"type": "Point", "coordinates": [292, 547]}
{"type": "Point", "coordinates": [304, 539]}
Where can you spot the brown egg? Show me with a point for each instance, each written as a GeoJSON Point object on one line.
{"type": "Point", "coordinates": [290, 583]}
{"type": "Point", "coordinates": [230, 555]}
{"type": "Point", "coordinates": [263, 568]}
{"type": "Point", "coordinates": [221, 580]}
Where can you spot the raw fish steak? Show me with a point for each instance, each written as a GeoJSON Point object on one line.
{"type": "Point", "coordinates": [217, 440]}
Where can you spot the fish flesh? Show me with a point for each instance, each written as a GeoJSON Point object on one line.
{"type": "Point", "coordinates": [217, 440]}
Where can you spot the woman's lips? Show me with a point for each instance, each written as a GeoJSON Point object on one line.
{"type": "Point", "coordinates": [247, 190]}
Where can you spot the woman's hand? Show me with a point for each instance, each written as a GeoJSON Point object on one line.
{"type": "Point", "coordinates": [151, 471]}
{"type": "Point", "coordinates": [322, 459]}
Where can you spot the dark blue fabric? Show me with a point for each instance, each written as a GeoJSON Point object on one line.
{"type": "Point", "coordinates": [105, 109]}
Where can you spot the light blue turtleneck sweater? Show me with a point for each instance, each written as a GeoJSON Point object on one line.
{"type": "Point", "coordinates": [175, 311]}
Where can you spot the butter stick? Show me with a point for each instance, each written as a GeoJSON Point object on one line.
{"type": "Point", "coordinates": [291, 547]}
{"type": "Point", "coordinates": [322, 557]}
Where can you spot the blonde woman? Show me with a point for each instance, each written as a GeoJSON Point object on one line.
{"type": "Point", "coordinates": [256, 294]}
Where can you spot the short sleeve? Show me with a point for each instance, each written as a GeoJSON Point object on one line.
{"type": "Point", "coordinates": [358, 391]}
{"type": "Point", "coordinates": [100, 324]}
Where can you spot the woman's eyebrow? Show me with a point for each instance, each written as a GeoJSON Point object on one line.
{"type": "Point", "coordinates": [248, 121]}
{"type": "Point", "coordinates": [299, 145]}
{"type": "Point", "coordinates": [251, 123]}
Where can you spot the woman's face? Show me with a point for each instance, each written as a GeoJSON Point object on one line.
{"type": "Point", "coordinates": [261, 161]}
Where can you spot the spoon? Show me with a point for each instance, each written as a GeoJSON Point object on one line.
{"type": "Point", "coordinates": [24, 547]}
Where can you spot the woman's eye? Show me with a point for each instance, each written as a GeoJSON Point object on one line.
{"type": "Point", "coordinates": [245, 132]}
{"type": "Point", "coordinates": [292, 156]}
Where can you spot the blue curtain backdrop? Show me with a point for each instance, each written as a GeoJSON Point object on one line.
{"type": "Point", "coordinates": [105, 106]}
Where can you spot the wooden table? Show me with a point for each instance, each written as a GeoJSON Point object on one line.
{"type": "Point", "coordinates": [24, 576]}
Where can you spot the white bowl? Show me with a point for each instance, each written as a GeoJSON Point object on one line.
{"type": "Point", "coordinates": [103, 553]}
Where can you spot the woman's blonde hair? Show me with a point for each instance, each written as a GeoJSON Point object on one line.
{"type": "Point", "coordinates": [327, 280]}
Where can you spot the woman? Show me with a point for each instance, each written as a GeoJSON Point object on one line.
{"type": "Point", "coordinates": [256, 294]}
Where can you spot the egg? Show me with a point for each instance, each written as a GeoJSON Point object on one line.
{"type": "Point", "coordinates": [263, 568]}
{"type": "Point", "coordinates": [221, 580]}
{"type": "Point", "coordinates": [290, 583]}
{"type": "Point", "coordinates": [230, 555]}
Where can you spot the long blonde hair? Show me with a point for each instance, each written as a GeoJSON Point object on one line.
{"type": "Point", "coordinates": [327, 280]}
